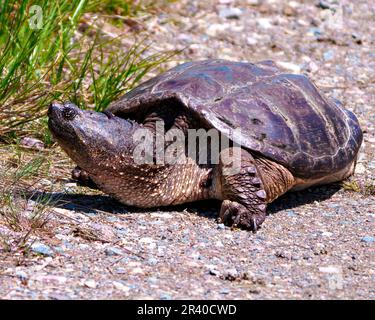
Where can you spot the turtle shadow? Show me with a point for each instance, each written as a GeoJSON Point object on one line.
{"type": "Point", "coordinates": [86, 203]}
{"type": "Point", "coordinates": [95, 204]}
{"type": "Point", "coordinates": [288, 201]}
{"type": "Point", "coordinates": [291, 200]}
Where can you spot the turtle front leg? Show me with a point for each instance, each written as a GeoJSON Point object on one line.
{"type": "Point", "coordinates": [235, 214]}
{"type": "Point", "coordinates": [248, 185]}
{"type": "Point", "coordinates": [244, 204]}
{"type": "Point", "coordinates": [83, 179]}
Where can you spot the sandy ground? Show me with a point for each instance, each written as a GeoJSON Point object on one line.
{"type": "Point", "coordinates": [315, 244]}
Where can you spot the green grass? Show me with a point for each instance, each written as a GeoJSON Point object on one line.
{"type": "Point", "coordinates": [121, 7]}
{"type": "Point", "coordinates": [67, 57]}
{"type": "Point", "coordinates": [32, 60]}
{"type": "Point", "coordinates": [61, 62]}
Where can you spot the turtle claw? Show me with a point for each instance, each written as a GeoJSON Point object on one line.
{"type": "Point", "coordinates": [236, 215]}
{"type": "Point", "coordinates": [83, 179]}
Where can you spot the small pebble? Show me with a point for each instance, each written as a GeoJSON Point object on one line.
{"type": "Point", "coordinates": [232, 274]}
{"type": "Point", "coordinates": [42, 249]}
{"type": "Point", "coordinates": [165, 296]}
{"type": "Point", "coordinates": [51, 278]}
{"type": "Point", "coordinates": [59, 249]}
{"type": "Point", "coordinates": [264, 23]}
{"type": "Point", "coordinates": [120, 286]}
{"type": "Point", "coordinates": [32, 143]}
{"type": "Point", "coordinates": [112, 251]}
{"type": "Point", "coordinates": [90, 284]}
{"type": "Point", "coordinates": [112, 219]}
{"type": "Point", "coordinates": [45, 182]}
{"type": "Point", "coordinates": [219, 244]}
{"type": "Point", "coordinates": [289, 66]}
{"type": "Point", "coordinates": [224, 291]}
{"type": "Point", "coordinates": [253, 2]}
{"type": "Point", "coordinates": [289, 11]}
{"type": "Point", "coordinates": [121, 232]}
{"type": "Point", "coordinates": [67, 244]}
{"type": "Point", "coordinates": [291, 213]}
{"type": "Point", "coordinates": [368, 239]}
{"type": "Point", "coordinates": [323, 5]}
{"type": "Point", "coordinates": [330, 269]}
{"type": "Point", "coordinates": [136, 271]}
{"type": "Point", "coordinates": [328, 55]}
{"type": "Point", "coordinates": [251, 41]}
{"type": "Point", "coordinates": [214, 272]}
{"type": "Point", "coordinates": [357, 38]}
{"type": "Point", "coordinates": [221, 226]}
{"type": "Point", "coordinates": [184, 37]}
{"type": "Point", "coordinates": [315, 32]}
{"type": "Point", "coordinates": [360, 168]}
{"type": "Point", "coordinates": [327, 234]}
{"type": "Point", "coordinates": [152, 280]}
{"type": "Point", "coordinates": [22, 275]}
{"type": "Point", "coordinates": [230, 13]}
{"type": "Point", "coordinates": [152, 261]}
{"type": "Point", "coordinates": [146, 240]}
{"type": "Point", "coordinates": [120, 270]}
{"type": "Point", "coordinates": [70, 185]}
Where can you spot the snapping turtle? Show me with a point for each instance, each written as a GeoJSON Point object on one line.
{"type": "Point", "coordinates": [285, 134]}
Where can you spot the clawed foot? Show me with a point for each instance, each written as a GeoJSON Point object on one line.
{"type": "Point", "coordinates": [235, 214]}
{"type": "Point", "coordinates": [83, 178]}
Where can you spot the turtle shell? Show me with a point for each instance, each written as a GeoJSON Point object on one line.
{"type": "Point", "coordinates": [281, 116]}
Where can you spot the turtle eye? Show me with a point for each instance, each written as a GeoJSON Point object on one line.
{"type": "Point", "coordinates": [69, 113]}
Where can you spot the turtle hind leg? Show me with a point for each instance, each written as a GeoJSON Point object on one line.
{"type": "Point", "coordinates": [83, 179]}
{"type": "Point", "coordinates": [244, 204]}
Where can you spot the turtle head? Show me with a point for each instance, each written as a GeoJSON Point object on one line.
{"type": "Point", "coordinates": [92, 139]}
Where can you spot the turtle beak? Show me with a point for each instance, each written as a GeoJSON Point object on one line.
{"type": "Point", "coordinates": [54, 110]}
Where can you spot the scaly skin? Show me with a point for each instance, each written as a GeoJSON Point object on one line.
{"type": "Point", "coordinates": [291, 136]}
{"type": "Point", "coordinates": [247, 193]}
{"type": "Point", "coordinates": [102, 147]}
{"type": "Point", "coordinates": [148, 186]}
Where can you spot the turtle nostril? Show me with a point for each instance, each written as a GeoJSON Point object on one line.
{"type": "Point", "coordinates": [53, 108]}
{"type": "Point", "coordinates": [69, 113]}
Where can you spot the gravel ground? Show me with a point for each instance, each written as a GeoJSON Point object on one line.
{"type": "Point", "coordinates": [314, 244]}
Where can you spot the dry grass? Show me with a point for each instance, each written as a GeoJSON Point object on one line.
{"type": "Point", "coordinates": [365, 187]}
{"type": "Point", "coordinates": [20, 217]}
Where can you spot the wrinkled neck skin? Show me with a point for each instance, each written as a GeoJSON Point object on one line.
{"type": "Point", "coordinates": [104, 145]}
{"type": "Point", "coordinates": [108, 157]}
